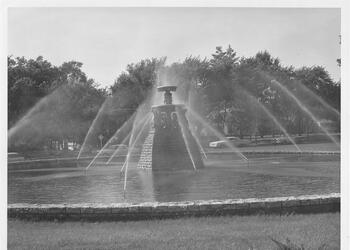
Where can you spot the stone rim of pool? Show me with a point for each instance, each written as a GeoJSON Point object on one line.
{"type": "Point", "coordinates": [159, 210]}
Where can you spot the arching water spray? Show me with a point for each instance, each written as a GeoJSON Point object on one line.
{"type": "Point", "coordinates": [188, 103]}
{"type": "Point", "coordinates": [271, 116]}
{"type": "Point", "coordinates": [216, 133]}
{"type": "Point", "coordinates": [123, 142]}
{"type": "Point", "coordinates": [181, 122]}
{"type": "Point", "coordinates": [133, 143]}
{"type": "Point", "coordinates": [306, 110]}
{"type": "Point", "coordinates": [200, 145]}
{"type": "Point", "coordinates": [134, 119]}
{"type": "Point", "coordinates": [87, 137]}
{"type": "Point", "coordinates": [145, 123]}
{"type": "Point", "coordinates": [318, 98]}
{"type": "Point", "coordinates": [27, 118]}
{"type": "Point", "coordinates": [279, 125]}
{"type": "Point", "coordinates": [111, 139]}
{"type": "Point", "coordinates": [118, 148]}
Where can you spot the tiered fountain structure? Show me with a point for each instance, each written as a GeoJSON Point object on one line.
{"type": "Point", "coordinates": [170, 144]}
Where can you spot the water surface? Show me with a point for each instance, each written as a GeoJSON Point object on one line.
{"type": "Point", "coordinates": [224, 177]}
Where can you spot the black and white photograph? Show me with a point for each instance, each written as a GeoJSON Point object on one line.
{"type": "Point", "coordinates": [175, 127]}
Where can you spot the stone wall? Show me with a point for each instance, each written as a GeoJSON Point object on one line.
{"type": "Point", "coordinates": [159, 210]}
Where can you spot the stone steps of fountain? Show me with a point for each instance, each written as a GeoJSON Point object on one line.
{"type": "Point", "coordinates": [145, 160]}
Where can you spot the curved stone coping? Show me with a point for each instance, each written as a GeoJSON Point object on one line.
{"type": "Point", "coordinates": [159, 210]}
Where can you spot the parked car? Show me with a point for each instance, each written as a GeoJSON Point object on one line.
{"type": "Point", "coordinates": [235, 141]}
{"type": "Point", "coordinates": [281, 140]}
{"type": "Point", "coordinates": [14, 156]}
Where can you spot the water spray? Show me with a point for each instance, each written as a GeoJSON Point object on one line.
{"type": "Point", "coordinates": [303, 107]}
{"type": "Point", "coordinates": [186, 140]}
{"type": "Point", "coordinates": [137, 137]}
{"type": "Point", "coordinates": [110, 140]}
{"type": "Point", "coordinates": [124, 140]}
{"type": "Point", "coordinates": [100, 111]}
{"type": "Point", "coordinates": [272, 117]}
{"type": "Point", "coordinates": [131, 146]}
{"type": "Point", "coordinates": [318, 98]}
{"type": "Point", "coordinates": [217, 134]}
{"type": "Point", "coordinates": [199, 144]}
{"type": "Point", "coordinates": [201, 147]}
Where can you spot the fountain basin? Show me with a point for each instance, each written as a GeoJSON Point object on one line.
{"type": "Point", "coordinates": [166, 88]}
{"type": "Point", "coordinates": [225, 176]}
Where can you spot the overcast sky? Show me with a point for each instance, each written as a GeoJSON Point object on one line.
{"type": "Point", "coordinates": [105, 40]}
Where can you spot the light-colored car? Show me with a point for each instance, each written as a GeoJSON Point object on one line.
{"type": "Point", "coordinates": [222, 143]}
{"type": "Point", "coordinates": [14, 156]}
{"type": "Point", "coordinates": [281, 140]}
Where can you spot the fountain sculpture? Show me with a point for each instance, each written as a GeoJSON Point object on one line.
{"type": "Point", "coordinates": [170, 144]}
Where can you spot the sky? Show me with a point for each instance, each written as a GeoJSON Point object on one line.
{"type": "Point", "coordinates": [105, 40]}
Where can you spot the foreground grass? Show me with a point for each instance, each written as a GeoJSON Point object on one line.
{"type": "Point", "coordinates": [320, 231]}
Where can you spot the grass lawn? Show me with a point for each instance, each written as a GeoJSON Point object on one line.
{"type": "Point", "coordinates": [246, 232]}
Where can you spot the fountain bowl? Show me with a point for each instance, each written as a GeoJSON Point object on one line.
{"type": "Point", "coordinates": [167, 88]}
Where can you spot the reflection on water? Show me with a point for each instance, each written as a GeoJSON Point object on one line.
{"type": "Point", "coordinates": [221, 179]}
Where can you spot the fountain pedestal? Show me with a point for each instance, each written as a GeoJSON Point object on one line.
{"type": "Point", "coordinates": [174, 146]}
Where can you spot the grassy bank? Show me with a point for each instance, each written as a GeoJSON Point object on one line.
{"type": "Point", "coordinates": [253, 232]}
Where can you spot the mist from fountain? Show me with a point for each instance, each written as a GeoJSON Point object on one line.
{"type": "Point", "coordinates": [188, 103]}
{"type": "Point", "coordinates": [181, 122]}
{"type": "Point", "coordinates": [91, 128]}
{"type": "Point", "coordinates": [198, 141]}
{"type": "Point", "coordinates": [136, 117]}
{"type": "Point", "coordinates": [279, 125]}
{"type": "Point", "coordinates": [305, 109]}
{"type": "Point", "coordinates": [216, 133]}
{"type": "Point", "coordinates": [318, 98]}
{"type": "Point", "coordinates": [29, 116]}
{"type": "Point", "coordinates": [124, 126]}
{"type": "Point", "coordinates": [118, 149]}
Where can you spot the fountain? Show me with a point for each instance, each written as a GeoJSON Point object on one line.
{"type": "Point", "coordinates": [170, 144]}
{"type": "Point", "coordinates": [167, 143]}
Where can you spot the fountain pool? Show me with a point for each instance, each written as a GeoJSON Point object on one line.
{"type": "Point", "coordinates": [225, 176]}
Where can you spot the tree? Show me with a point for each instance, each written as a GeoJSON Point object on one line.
{"type": "Point", "coordinates": [45, 103]}
{"type": "Point", "coordinates": [188, 76]}
{"type": "Point", "coordinates": [138, 81]}
{"type": "Point", "coordinates": [219, 89]}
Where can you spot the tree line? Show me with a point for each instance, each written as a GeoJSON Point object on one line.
{"type": "Point", "coordinates": [237, 95]}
